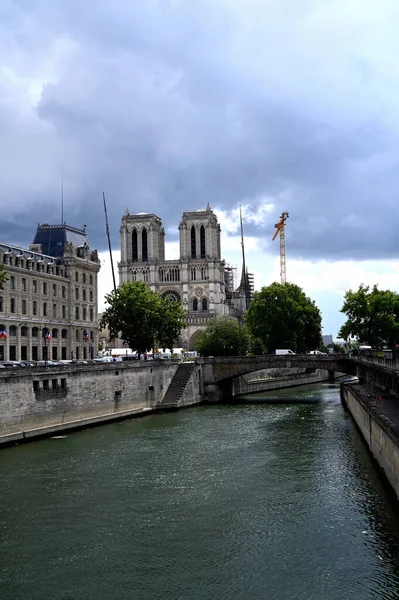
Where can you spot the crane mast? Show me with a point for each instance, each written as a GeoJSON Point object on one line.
{"type": "Point", "coordinates": [280, 228]}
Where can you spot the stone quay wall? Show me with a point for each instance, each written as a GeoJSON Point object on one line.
{"type": "Point", "coordinates": [380, 433]}
{"type": "Point", "coordinates": [243, 386]}
{"type": "Point", "coordinates": [38, 402]}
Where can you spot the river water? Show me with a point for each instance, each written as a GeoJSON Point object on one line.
{"type": "Point", "coordinates": [268, 501]}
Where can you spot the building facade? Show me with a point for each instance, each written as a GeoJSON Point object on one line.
{"type": "Point", "coordinates": [197, 279]}
{"type": "Point", "coordinates": [48, 307]}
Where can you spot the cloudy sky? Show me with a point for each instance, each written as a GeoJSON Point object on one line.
{"type": "Point", "coordinates": [166, 105]}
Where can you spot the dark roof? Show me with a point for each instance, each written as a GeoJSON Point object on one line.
{"type": "Point", "coordinates": [54, 237]}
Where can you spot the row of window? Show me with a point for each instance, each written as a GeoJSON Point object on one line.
{"type": "Point", "coordinates": [33, 353]}
{"type": "Point", "coordinates": [32, 264]}
{"type": "Point", "coordinates": [144, 244]}
{"type": "Point", "coordinates": [83, 277]}
{"type": "Point", "coordinates": [45, 288]}
{"type": "Point", "coordinates": [46, 309]}
{"type": "Point", "coordinates": [54, 333]}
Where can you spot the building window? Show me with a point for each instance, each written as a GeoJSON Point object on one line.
{"type": "Point", "coordinates": [202, 241]}
{"type": "Point", "coordinates": [76, 276]}
{"type": "Point", "coordinates": [54, 334]}
{"type": "Point", "coordinates": [34, 307]}
{"type": "Point", "coordinates": [77, 335]}
{"type": "Point", "coordinates": [54, 310]}
{"type": "Point", "coordinates": [91, 296]}
{"type": "Point", "coordinates": [84, 313]}
{"type": "Point", "coordinates": [24, 331]}
{"type": "Point", "coordinates": [54, 289]}
{"type": "Point", "coordinates": [64, 334]}
{"type": "Point", "coordinates": [91, 279]}
{"type": "Point", "coordinates": [34, 286]}
{"type": "Point", "coordinates": [144, 245]}
{"type": "Point", "coordinates": [12, 305]}
{"type": "Point", "coordinates": [44, 309]}
{"type": "Point", "coordinates": [91, 336]}
{"type": "Point", "coordinates": [91, 315]}
{"type": "Point", "coordinates": [77, 293]}
{"type": "Point", "coordinates": [35, 332]}
{"type": "Point", "coordinates": [193, 243]}
{"type": "Point", "coordinates": [24, 307]}
{"type": "Point", "coordinates": [23, 283]}
{"type": "Point", "coordinates": [1, 303]}
{"type": "Point", "coordinates": [12, 282]}
{"type": "Point", "coordinates": [63, 291]}
{"type": "Point", "coordinates": [134, 246]}
{"type": "Point", "coordinates": [195, 304]}
{"type": "Point", "coordinates": [63, 311]}
{"type": "Point", "coordinates": [193, 274]}
{"type": "Point", "coordinates": [13, 331]}
{"type": "Point", "coordinates": [204, 304]}
{"type": "Point", "coordinates": [44, 288]}
{"type": "Point", "coordinates": [77, 312]}
{"type": "Point", "coordinates": [84, 295]}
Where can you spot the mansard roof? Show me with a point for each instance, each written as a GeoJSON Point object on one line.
{"type": "Point", "coordinates": [54, 237]}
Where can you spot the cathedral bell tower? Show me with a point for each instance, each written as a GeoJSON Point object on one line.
{"type": "Point", "coordinates": [199, 235]}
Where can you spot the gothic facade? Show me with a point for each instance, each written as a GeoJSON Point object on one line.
{"type": "Point", "coordinates": [197, 278]}
{"type": "Point", "coordinates": [48, 307]}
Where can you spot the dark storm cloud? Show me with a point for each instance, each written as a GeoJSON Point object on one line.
{"type": "Point", "coordinates": [166, 105]}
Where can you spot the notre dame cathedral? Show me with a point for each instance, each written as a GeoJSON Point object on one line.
{"type": "Point", "coordinates": [199, 279]}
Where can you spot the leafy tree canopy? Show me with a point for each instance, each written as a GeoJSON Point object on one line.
{"type": "Point", "coordinates": [3, 276]}
{"type": "Point", "coordinates": [372, 316]}
{"type": "Point", "coordinates": [282, 316]}
{"type": "Point", "coordinates": [142, 317]}
{"type": "Point", "coordinates": [223, 337]}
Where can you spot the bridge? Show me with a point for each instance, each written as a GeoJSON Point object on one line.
{"type": "Point", "coordinates": [218, 373]}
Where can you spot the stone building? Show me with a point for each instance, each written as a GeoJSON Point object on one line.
{"type": "Point", "coordinates": [48, 307]}
{"type": "Point", "coordinates": [197, 279]}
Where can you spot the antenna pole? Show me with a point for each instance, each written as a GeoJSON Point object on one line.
{"type": "Point", "coordinates": [62, 201]}
{"type": "Point", "coordinates": [109, 242]}
{"type": "Point", "coordinates": [243, 263]}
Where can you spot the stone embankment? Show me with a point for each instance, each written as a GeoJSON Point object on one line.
{"type": "Point", "coordinates": [245, 385]}
{"type": "Point", "coordinates": [43, 401]}
{"type": "Point", "coordinates": [376, 414]}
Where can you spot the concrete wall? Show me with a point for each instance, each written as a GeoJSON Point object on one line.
{"type": "Point", "coordinates": [380, 434]}
{"type": "Point", "coordinates": [53, 399]}
{"type": "Point", "coordinates": [243, 386]}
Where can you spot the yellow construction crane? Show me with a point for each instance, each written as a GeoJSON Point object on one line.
{"type": "Point", "coordinates": [280, 228]}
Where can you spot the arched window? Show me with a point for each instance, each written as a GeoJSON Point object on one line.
{"type": "Point", "coordinates": [193, 244]}
{"type": "Point", "coordinates": [134, 245]}
{"type": "Point", "coordinates": [195, 304]}
{"type": "Point", "coordinates": [204, 304]}
{"type": "Point", "coordinates": [202, 241]}
{"type": "Point", "coordinates": [24, 331]}
{"type": "Point", "coordinates": [144, 244]}
{"type": "Point", "coordinates": [35, 332]}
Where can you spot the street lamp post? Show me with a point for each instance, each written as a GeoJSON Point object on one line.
{"type": "Point", "coordinates": [46, 336]}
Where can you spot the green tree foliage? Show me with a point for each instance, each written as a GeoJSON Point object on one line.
{"type": "Point", "coordinates": [282, 316]}
{"type": "Point", "coordinates": [142, 317]}
{"type": "Point", "coordinates": [372, 316]}
{"type": "Point", "coordinates": [223, 337]}
{"type": "Point", "coordinates": [3, 276]}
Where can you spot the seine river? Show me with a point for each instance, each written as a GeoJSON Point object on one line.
{"type": "Point", "coordinates": [268, 501]}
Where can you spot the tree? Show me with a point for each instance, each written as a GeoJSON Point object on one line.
{"type": "Point", "coordinates": [223, 337]}
{"type": "Point", "coordinates": [282, 316]}
{"type": "Point", "coordinates": [3, 276]}
{"type": "Point", "coordinates": [372, 316]}
{"type": "Point", "coordinates": [142, 317]}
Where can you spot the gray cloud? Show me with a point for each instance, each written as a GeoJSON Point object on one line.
{"type": "Point", "coordinates": [166, 105]}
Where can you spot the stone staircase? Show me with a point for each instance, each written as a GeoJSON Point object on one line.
{"type": "Point", "coordinates": [177, 386]}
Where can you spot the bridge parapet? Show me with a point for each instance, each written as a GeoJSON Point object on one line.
{"type": "Point", "coordinates": [223, 368]}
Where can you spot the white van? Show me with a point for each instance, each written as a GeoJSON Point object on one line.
{"type": "Point", "coordinates": [280, 351]}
